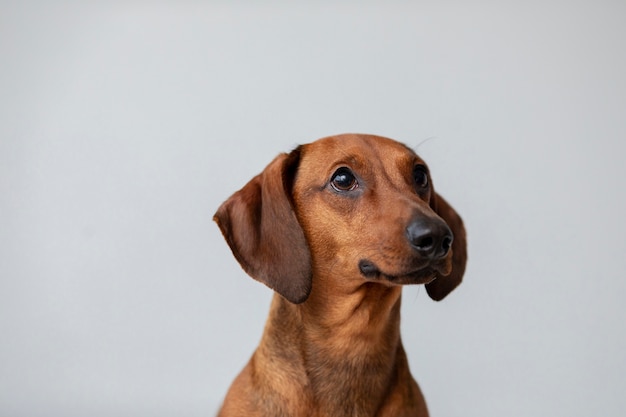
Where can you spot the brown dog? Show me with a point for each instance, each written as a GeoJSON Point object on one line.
{"type": "Point", "coordinates": [336, 228]}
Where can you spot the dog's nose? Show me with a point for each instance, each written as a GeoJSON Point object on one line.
{"type": "Point", "coordinates": [431, 238]}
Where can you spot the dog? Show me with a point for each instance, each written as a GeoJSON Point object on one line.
{"type": "Point", "coordinates": [336, 228]}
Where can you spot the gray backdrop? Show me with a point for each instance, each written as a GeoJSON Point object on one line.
{"type": "Point", "coordinates": [123, 126]}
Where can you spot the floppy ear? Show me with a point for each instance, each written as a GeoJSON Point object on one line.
{"type": "Point", "coordinates": [443, 285]}
{"type": "Point", "coordinates": [261, 228]}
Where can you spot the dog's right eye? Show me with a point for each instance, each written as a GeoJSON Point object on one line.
{"type": "Point", "coordinates": [343, 180]}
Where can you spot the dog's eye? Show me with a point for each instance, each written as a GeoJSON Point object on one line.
{"type": "Point", "coordinates": [344, 180]}
{"type": "Point", "coordinates": [420, 176]}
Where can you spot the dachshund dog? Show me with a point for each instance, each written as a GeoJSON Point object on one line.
{"type": "Point", "coordinates": [336, 228]}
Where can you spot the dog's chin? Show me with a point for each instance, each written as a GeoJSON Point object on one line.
{"type": "Point", "coordinates": [418, 276]}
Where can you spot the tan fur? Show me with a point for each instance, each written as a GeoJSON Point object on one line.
{"type": "Point", "coordinates": [331, 346]}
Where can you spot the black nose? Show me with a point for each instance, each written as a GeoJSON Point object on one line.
{"type": "Point", "coordinates": [432, 238]}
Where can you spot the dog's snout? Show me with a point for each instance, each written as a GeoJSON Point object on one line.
{"type": "Point", "coordinates": [430, 238]}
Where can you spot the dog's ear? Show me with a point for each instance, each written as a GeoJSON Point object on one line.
{"type": "Point", "coordinates": [443, 285]}
{"type": "Point", "coordinates": [261, 228]}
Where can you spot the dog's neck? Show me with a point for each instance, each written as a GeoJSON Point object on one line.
{"type": "Point", "coordinates": [368, 315]}
{"type": "Point", "coordinates": [348, 344]}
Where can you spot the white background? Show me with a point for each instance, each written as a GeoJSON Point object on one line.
{"type": "Point", "coordinates": [123, 126]}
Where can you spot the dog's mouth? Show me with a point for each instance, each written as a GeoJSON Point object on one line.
{"type": "Point", "coordinates": [421, 275]}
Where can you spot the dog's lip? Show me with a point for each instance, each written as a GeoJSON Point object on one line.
{"type": "Point", "coordinates": [421, 275]}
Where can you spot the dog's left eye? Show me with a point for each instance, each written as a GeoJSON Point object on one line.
{"type": "Point", "coordinates": [344, 180]}
{"type": "Point", "coordinates": [420, 176]}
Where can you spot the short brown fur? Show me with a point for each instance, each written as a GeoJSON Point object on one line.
{"type": "Point", "coordinates": [337, 260]}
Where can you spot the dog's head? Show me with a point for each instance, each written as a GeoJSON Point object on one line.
{"type": "Point", "coordinates": [357, 206]}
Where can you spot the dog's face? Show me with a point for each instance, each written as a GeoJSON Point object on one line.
{"type": "Point", "coordinates": [365, 205]}
{"type": "Point", "coordinates": [356, 206]}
